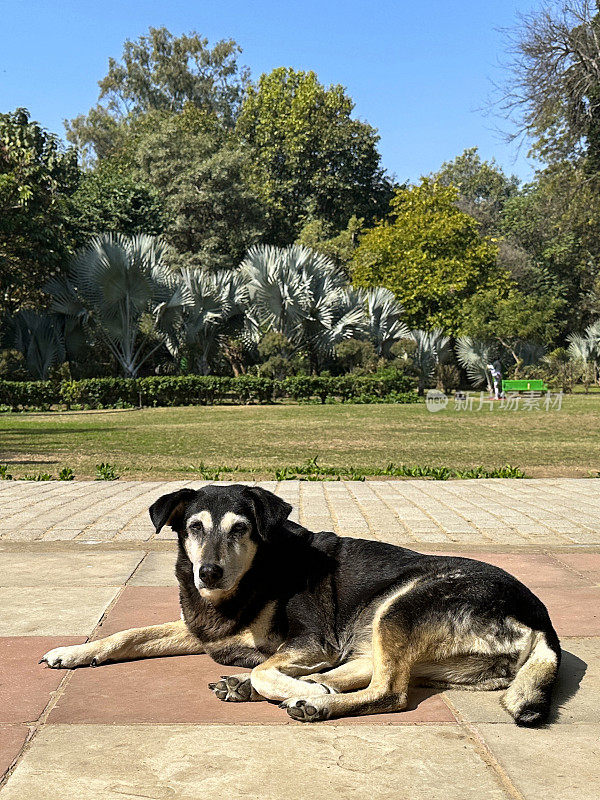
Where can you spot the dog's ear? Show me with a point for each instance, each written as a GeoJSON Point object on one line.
{"type": "Point", "coordinates": [269, 510]}
{"type": "Point", "coordinates": [170, 508]}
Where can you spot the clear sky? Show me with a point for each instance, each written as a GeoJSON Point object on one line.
{"type": "Point", "coordinates": [420, 72]}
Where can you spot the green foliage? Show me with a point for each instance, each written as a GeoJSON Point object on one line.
{"type": "Point", "coordinates": [4, 473]}
{"type": "Point", "coordinates": [447, 473]}
{"type": "Point", "coordinates": [280, 357]}
{"type": "Point", "coordinates": [201, 173]}
{"type": "Point", "coordinates": [310, 158]}
{"type": "Point", "coordinates": [106, 472]}
{"type": "Point", "coordinates": [113, 198]}
{"type": "Point", "coordinates": [483, 188]}
{"type": "Point", "coordinates": [39, 338]}
{"type": "Point", "coordinates": [511, 319]}
{"type": "Point", "coordinates": [339, 247]}
{"type": "Point", "coordinates": [66, 474]}
{"type": "Point", "coordinates": [161, 72]}
{"type": "Point", "coordinates": [38, 476]}
{"type": "Point", "coordinates": [37, 179]}
{"type": "Point", "coordinates": [430, 255]}
{"type": "Point", "coordinates": [189, 390]}
{"type": "Point", "coordinates": [121, 288]}
{"type": "Point", "coordinates": [356, 356]}
{"type": "Point", "coordinates": [311, 470]}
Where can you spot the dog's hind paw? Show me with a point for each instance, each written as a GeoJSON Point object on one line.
{"type": "Point", "coordinates": [311, 709]}
{"type": "Point", "coordinates": [234, 689]}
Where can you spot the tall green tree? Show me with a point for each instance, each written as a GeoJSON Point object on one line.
{"type": "Point", "coordinates": [311, 158]}
{"type": "Point", "coordinates": [160, 72]}
{"type": "Point", "coordinates": [430, 254]}
{"type": "Point", "coordinates": [483, 188]}
{"type": "Point", "coordinates": [200, 171]}
{"type": "Point", "coordinates": [113, 197]}
{"type": "Point", "coordinates": [37, 180]}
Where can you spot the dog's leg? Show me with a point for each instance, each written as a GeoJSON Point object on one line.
{"type": "Point", "coordinates": [277, 677]}
{"type": "Point", "coordinates": [394, 652]}
{"type": "Point", "coordinates": [169, 639]}
{"type": "Point", "coordinates": [347, 677]}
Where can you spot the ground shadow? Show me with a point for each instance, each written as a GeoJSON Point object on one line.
{"type": "Point", "coordinates": [571, 672]}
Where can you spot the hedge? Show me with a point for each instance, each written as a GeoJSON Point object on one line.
{"type": "Point", "coordinates": [191, 390]}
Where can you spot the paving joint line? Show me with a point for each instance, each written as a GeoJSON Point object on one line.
{"type": "Point", "coordinates": [406, 529]}
{"type": "Point", "coordinates": [37, 725]}
{"type": "Point", "coordinates": [483, 751]}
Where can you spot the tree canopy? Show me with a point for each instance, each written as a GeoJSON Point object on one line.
{"type": "Point", "coordinates": [38, 177]}
{"type": "Point", "coordinates": [311, 159]}
{"type": "Point", "coordinates": [430, 254]}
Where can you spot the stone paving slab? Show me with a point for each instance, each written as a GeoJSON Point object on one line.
{"type": "Point", "coordinates": [561, 761]}
{"type": "Point", "coordinates": [187, 762]}
{"type": "Point", "coordinates": [45, 611]}
{"type": "Point", "coordinates": [542, 512]}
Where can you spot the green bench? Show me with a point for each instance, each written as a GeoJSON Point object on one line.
{"type": "Point", "coordinates": [524, 386]}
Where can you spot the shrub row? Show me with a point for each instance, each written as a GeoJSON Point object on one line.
{"type": "Point", "coordinates": [192, 390]}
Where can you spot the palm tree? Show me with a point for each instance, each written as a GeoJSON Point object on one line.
{"type": "Point", "coordinates": [214, 311]}
{"type": "Point", "coordinates": [583, 350]}
{"type": "Point", "coordinates": [117, 282]}
{"type": "Point", "coordinates": [301, 295]}
{"type": "Point", "coordinates": [474, 356]}
{"type": "Point", "coordinates": [384, 319]}
{"type": "Point", "coordinates": [39, 337]}
{"type": "Point", "coordinates": [432, 348]}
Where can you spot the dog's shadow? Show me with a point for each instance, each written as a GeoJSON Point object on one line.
{"type": "Point", "coordinates": [571, 672]}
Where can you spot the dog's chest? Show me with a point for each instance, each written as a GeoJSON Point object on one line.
{"type": "Point", "coordinates": [243, 645]}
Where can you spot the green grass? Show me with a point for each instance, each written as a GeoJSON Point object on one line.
{"type": "Point", "coordinates": [256, 441]}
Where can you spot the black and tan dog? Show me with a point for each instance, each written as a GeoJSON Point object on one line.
{"type": "Point", "coordinates": [334, 626]}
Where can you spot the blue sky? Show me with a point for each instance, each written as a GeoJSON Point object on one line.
{"type": "Point", "coordinates": [419, 72]}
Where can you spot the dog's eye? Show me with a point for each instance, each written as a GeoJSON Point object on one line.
{"type": "Point", "coordinates": [239, 528]}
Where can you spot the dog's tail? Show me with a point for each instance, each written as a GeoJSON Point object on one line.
{"type": "Point", "coordinates": [528, 697]}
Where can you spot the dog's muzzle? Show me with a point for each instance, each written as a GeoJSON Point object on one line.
{"type": "Point", "coordinates": [210, 575]}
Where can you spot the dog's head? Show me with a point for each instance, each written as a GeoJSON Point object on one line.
{"type": "Point", "coordinates": [219, 530]}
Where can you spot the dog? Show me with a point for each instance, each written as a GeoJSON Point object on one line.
{"type": "Point", "coordinates": [332, 626]}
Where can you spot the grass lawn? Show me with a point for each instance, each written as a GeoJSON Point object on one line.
{"type": "Point", "coordinates": [171, 443]}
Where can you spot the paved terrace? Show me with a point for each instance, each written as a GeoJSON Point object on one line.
{"type": "Point", "coordinates": [538, 513]}
{"type": "Point", "coordinates": [81, 560]}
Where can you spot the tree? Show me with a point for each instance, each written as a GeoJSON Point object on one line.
{"type": "Point", "coordinates": [121, 288]}
{"type": "Point", "coordinates": [213, 312]}
{"type": "Point", "coordinates": [553, 90]}
{"type": "Point", "coordinates": [311, 159]}
{"type": "Point", "coordinates": [483, 188]}
{"type": "Point", "coordinates": [300, 295]}
{"type": "Point", "coordinates": [514, 321]}
{"type": "Point", "coordinates": [162, 72]}
{"type": "Point", "coordinates": [556, 221]}
{"type": "Point", "coordinates": [37, 180]}
{"type": "Point", "coordinates": [200, 172]}
{"type": "Point", "coordinates": [385, 321]}
{"type": "Point", "coordinates": [474, 356]}
{"type": "Point", "coordinates": [432, 349]}
{"type": "Point", "coordinates": [430, 255]}
{"type": "Point", "coordinates": [39, 337]}
{"type": "Point", "coordinates": [113, 198]}
{"type": "Point", "coordinates": [339, 247]}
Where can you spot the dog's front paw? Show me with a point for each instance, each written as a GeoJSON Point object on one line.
{"type": "Point", "coordinates": [234, 689]}
{"type": "Point", "coordinates": [309, 709]}
{"type": "Point", "coordinates": [77, 655]}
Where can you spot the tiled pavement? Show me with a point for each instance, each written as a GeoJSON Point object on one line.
{"type": "Point", "coordinates": [540, 513]}
{"type": "Point", "coordinates": [152, 729]}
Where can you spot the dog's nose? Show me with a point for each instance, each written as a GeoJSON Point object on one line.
{"type": "Point", "coordinates": [210, 574]}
